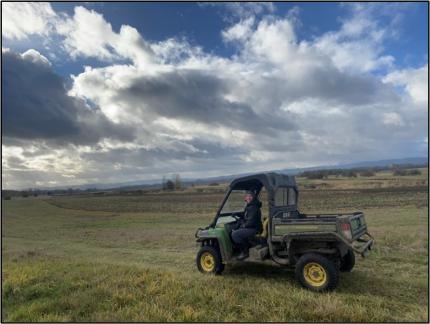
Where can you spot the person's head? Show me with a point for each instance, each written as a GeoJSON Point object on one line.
{"type": "Point", "coordinates": [249, 196]}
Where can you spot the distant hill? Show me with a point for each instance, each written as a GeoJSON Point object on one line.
{"type": "Point", "coordinates": [381, 163]}
{"type": "Point", "coordinates": [364, 164]}
{"type": "Point", "coordinates": [186, 181]}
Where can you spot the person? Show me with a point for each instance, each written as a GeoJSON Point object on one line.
{"type": "Point", "coordinates": [249, 226]}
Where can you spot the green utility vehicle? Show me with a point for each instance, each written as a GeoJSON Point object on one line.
{"type": "Point", "coordinates": [318, 246]}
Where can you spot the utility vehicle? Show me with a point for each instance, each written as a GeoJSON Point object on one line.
{"type": "Point", "coordinates": [318, 246]}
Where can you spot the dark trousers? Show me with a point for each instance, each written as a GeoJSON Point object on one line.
{"type": "Point", "coordinates": [241, 236]}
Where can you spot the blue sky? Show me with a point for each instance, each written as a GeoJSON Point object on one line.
{"type": "Point", "coordinates": [201, 23]}
{"type": "Point", "coordinates": [148, 89]}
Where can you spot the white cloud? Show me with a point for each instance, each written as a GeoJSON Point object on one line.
{"type": "Point", "coordinates": [88, 34]}
{"type": "Point", "coordinates": [239, 31]}
{"type": "Point", "coordinates": [415, 82]}
{"type": "Point", "coordinates": [21, 19]}
{"type": "Point", "coordinates": [35, 57]}
{"type": "Point", "coordinates": [174, 50]}
{"type": "Point", "coordinates": [274, 40]}
{"type": "Point", "coordinates": [243, 10]}
{"type": "Point", "coordinates": [358, 45]}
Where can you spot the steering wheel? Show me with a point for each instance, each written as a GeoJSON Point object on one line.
{"type": "Point", "coordinates": [235, 216]}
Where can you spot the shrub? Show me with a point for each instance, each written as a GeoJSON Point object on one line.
{"type": "Point", "coordinates": [170, 185]}
{"type": "Point", "coordinates": [314, 174]}
{"type": "Point", "coordinates": [178, 182]}
{"type": "Point", "coordinates": [399, 172]}
{"type": "Point", "coordinates": [414, 172]}
{"type": "Point", "coordinates": [349, 173]}
{"type": "Point", "coordinates": [367, 173]}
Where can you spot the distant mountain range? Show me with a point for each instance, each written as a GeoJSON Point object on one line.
{"type": "Point", "coordinates": [294, 171]}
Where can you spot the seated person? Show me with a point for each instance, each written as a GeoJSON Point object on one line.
{"type": "Point", "coordinates": [249, 226]}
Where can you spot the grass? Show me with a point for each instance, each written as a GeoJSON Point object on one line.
{"type": "Point", "coordinates": [131, 258]}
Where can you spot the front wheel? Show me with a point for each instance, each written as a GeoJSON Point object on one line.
{"type": "Point", "coordinates": [209, 260]}
{"type": "Point", "coordinates": [316, 272]}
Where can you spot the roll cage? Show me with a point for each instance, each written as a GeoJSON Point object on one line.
{"type": "Point", "coordinates": [271, 182]}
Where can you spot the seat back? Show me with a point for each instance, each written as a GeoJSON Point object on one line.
{"type": "Point", "coordinates": [264, 232]}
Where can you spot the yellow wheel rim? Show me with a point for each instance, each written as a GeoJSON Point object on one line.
{"type": "Point", "coordinates": [315, 274]}
{"type": "Point", "coordinates": [207, 261]}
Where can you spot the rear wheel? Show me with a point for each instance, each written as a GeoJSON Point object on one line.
{"type": "Point", "coordinates": [347, 262]}
{"type": "Point", "coordinates": [316, 272]}
{"type": "Point", "coordinates": [209, 260]}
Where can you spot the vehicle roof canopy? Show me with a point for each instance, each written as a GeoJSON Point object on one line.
{"type": "Point", "coordinates": [270, 180]}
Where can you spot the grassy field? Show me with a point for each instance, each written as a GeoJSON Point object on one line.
{"type": "Point", "coordinates": [131, 258]}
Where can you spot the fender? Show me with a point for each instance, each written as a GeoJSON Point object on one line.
{"type": "Point", "coordinates": [221, 237]}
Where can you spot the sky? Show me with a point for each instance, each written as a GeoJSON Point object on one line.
{"type": "Point", "coordinates": [117, 92]}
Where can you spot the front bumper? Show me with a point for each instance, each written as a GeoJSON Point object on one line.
{"type": "Point", "coordinates": [196, 234]}
{"type": "Point", "coordinates": [200, 232]}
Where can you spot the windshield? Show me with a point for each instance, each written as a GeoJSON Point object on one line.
{"type": "Point", "coordinates": [235, 202]}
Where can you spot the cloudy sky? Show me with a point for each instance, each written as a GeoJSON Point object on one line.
{"type": "Point", "coordinates": [112, 92]}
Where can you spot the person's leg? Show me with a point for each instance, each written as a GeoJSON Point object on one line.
{"type": "Point", "coordinates": [237, 236]}
{"type": "Point", "coordinates": [240, 237]}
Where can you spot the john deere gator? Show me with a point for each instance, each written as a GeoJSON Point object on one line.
{"type": "Point", "coordinates": [318, 246]}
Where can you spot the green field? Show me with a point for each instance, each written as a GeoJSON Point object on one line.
{"type": "Point", "coordinates": [132, 258]}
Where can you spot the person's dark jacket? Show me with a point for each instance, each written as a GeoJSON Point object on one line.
{"type": "Point", "coordinates": [252, 216]}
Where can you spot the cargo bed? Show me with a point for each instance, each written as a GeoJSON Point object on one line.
{"type": "Point", "coordinates": [349, 227]}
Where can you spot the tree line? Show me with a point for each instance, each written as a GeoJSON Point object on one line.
{"type": "Point", "coordinates": [396, 169]}
{"type": "Point", "coordinates": [174, 183]}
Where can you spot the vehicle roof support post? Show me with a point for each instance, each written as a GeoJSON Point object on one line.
{"type": "Point", "coordinates": [213, 224]}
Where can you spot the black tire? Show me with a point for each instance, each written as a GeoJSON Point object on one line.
{"type": "Point", "coordinates": [316, 272]}
{"type": "Point", "coordinates": [209, 260]}
{"type": "Point", "coordinates": [347, 262]}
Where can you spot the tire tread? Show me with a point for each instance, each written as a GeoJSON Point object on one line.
{"type": "Point", "coordinates": [219, 266]}
{"type": "Point", "coordinates": [330, 267]}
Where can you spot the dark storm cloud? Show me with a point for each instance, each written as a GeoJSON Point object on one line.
{"type": "Point", "coordinates": [138, 163]}
{"type": "Point", "coordinates": [353, 90]}
{"type": "Point", "coordinates": [36, 106]}
{"type": "Point", "coordinates": [141, 157]}
{"type": "Point", "coordinates": [324, 83]}
{"type": "Point", "coordinates": [200, 96]}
